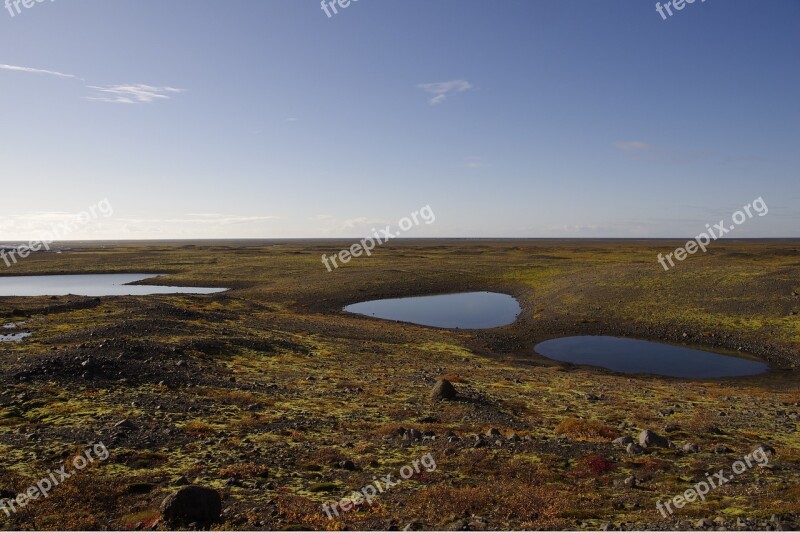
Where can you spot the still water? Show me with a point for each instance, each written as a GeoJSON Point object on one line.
{"type": "Point", "coordinates": [90, 285]}
{"type": "Point", "coordinates": [469, 310]}
{"type": "Point", "coordinates": [642, 357]}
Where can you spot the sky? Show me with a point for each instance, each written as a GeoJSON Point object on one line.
{"type": "Point", "coordinates": [508, 118]}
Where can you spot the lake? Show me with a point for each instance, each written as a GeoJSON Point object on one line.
{"type": "Point", "coordinates": [469, 310]}
{"type": "Point", "coordinates": [91, 285]}
{"type": "Point", "coordinates": [643, 357]}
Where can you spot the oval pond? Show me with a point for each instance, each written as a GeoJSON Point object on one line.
{"type": "Point", "coordinates": [469, 310]}
{"type": "Point", "coordinates": [633, 356]}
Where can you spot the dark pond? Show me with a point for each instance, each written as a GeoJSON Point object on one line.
{"type": "Point", "coordinates": [642, 357]}
{"type": "Point", "coordinates": [469, 310]}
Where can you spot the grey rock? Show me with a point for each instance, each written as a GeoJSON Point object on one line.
{"type": "Point", "coordinates": [634, 449]}
{"type": "Point", "coordinates": [651, 439]}
{"type": "Point", "coordinates": [691, 447]}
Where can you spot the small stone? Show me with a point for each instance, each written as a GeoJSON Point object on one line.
{"type": "Point", "coordinates": [634, 449]}
{"type": "Point", "coordinates": [347, 465]}
{"type": "Point", "coordinates": [691, 447]}
{"type": "Point", "coordinates": [125, 424]}
{"type": "Point", "coordinates": [768, 450]}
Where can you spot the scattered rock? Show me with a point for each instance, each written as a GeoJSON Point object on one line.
{"type": "Point", "coordinates": [650, 439]}
{"type": "Point", "coordinates": [478, 523]}
{"type": "Point", "coordinates": [768, 450]}
{"type": "Point", "coordinates": [622, 441]}
{"type": "Point", "coordinates": [634, 449]}
{"type": "Point", "coordinates": [458, 525]}
{"type": "Point", "coordinates": [703, 523]}
{"type": "Point", "coordinates": [443, 390]}
{"type": "Point", "coordinates": [691, 447]}
{"type": "Point", "coordinates": [721, 448]}
{"type": "Point", "coordinates": [140, 488]}
{"type": "Point", "coordinates": [347, 465]}
{"type": "Point", "coordinates": [125, 425]}
{"type": "Point", "coordinates": [192, 504]}
{"type": "Point", "coordinates": [412, 435]}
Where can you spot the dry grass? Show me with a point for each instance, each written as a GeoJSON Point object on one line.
{"type": "Point", "coordinates": [581, 429]}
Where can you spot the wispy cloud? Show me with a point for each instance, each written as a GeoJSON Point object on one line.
{"type": "Point", "coordinates": [473, 162]}
{"type": "Point", "coordinates": [119, 94]}
{"type": "Point", "coordinates": [331, 225]}
{"type": "Point", "coordinates": [132, 94]}
{"type": "Point", "coordinates": [443, 89]}
{"type": "Point", "coordinates": [633, 146]}
{"type": "Point", "coordinates": [219, 218]}
{"type": "Point", "coordinates": [30, 70]}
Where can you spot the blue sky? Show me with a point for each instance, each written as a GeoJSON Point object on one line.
{"type": "Point", "coordinates": [510, 118]}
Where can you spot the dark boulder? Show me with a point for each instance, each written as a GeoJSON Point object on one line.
{"type": "Point", "coordinates": [191, 505]}
{"type": "Point", "coordinates": [443, 390]}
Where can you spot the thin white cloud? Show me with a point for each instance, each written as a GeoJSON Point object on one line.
{"type": "Point", "coordinates": [132, 94]}
{"type": "Point", "coordinates": [330, 225]}
{"type": "Point", "coordinates": [443, 89]}
{"type": "Point", "coordinates": [119, 94]}
{"type": "Point", "coordinates": [30, 70]}
{"type": "Point", "coordinates": [34, 225]}
{"type": "Point", "coordinates": [203, 218]}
